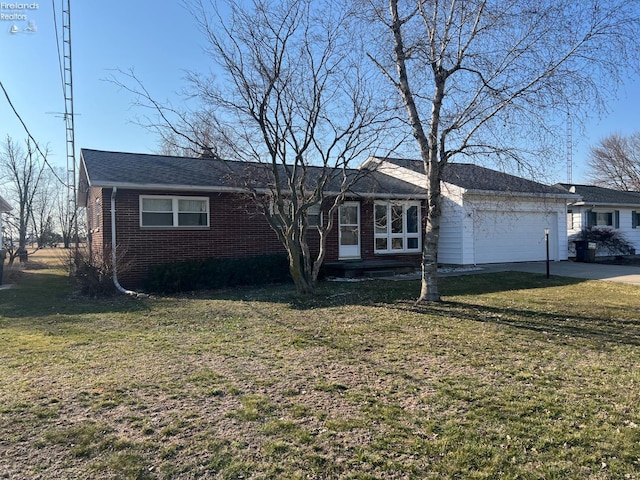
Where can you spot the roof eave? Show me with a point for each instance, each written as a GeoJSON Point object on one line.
{"type": "Point", "coordinates": [386, 196]}
{"type": "Point", "coordinates": [224, 189]}
{"type": "Point", "coordinates": [564, 196]}
{"type": "Point", "coordinates": [169, 187]}
{"type": "Point", "coordinates": [605, 204]}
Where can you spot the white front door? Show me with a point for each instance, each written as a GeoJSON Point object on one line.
{"type": "Point", "coordinates": [349, 231]}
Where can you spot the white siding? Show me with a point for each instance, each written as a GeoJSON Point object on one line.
{"type": "Point", "coordinates": [580, 219]}
{"type": "Point", "coordinates": [451, 244]}
{"type": "Point", "coordinates": [401, 173]}
{"type": "Point", "coordinates": [632, 234]}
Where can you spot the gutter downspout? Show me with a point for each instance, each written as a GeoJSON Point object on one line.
{"type": "Point", "coordinates": [113, 247]}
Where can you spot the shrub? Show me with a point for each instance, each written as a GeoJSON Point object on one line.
{"type": "Point", "coordinates": [215, 273]}
{"type": "Point", "coordinates": [94, 273]}
{"type": "Point", "coordinates": [607, 240]}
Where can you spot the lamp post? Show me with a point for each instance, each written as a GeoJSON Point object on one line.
{"type": "Point", "coordinates": [546, 238]}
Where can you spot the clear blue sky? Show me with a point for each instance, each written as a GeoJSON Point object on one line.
{"type": "Point", "coordinates": [160, 41]}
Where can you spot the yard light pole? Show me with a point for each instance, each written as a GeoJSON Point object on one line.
{"type": "Point", "coordinates": [546, 238]}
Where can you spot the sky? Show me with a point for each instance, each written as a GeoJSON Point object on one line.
{"type": "Point", "coordinates": [160, 42]}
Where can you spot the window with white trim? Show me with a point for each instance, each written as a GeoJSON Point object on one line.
{"type": "Point", "coordinates": [603, 218]}
{"type": "Point", "coordinates": [98, 214]}
{"type": "Point", "coordinates": [314, 216]}
{"type": "Point", "coordinates": [635, 219]}
{"type": "Point", "coordinates": [396, 227]}
{"type": "Point", "coordinates": [172, 212]}
{"type": "Point", "coordinates": [313, 213]}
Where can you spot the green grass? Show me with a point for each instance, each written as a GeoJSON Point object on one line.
{"type": "Point", "coordinates": [512, 376]}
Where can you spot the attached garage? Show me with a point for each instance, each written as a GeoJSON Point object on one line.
{"type": "Point", "coordinates": [490, 216]}
{"type": "Point", "coordinates": [514, 236]}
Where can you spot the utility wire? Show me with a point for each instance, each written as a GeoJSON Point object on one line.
{"type": "Point", "coordinates": [55, 27]}
{"type": "Point", "coordinates": [44, 157]}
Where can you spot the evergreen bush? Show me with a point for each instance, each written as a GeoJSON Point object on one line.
{"type": "Point", "coordinates": [214, 273]}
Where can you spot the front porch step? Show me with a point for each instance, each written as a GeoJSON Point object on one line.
{"type": "Point", "coordinates": [368, 268]}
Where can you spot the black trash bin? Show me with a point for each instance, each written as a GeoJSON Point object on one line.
{"type": "Point", "coordinates": [585, 251]}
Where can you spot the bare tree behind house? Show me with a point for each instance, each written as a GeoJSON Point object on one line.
{"type": "Point", "coordinates": [488, 78]}
{"type": "Point", "coordinates": [615, 162]}
{"type": "Point", "coordinates": [290, 98]}
{"type": "Point", "coordinates": [21, 172]}
{"type": "Point", "coordinates": [43, 209]}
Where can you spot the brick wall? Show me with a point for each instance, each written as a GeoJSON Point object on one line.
{"type": "Point", "coordinates": [236, 230]}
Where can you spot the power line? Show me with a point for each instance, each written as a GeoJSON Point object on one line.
{"type": "Point", "coordinates": [55, 27]}
{"type": "Point", "coordinates": [44, 157]}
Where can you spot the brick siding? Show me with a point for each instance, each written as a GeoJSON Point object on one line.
{"type": "Point", "coordinates": [236, 230]}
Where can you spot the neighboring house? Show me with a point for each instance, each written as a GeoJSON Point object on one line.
{"type": "Point", "coordinates": [490, 216]}
{"type": "Point", "coordinates": [4, 207]}
{"type": "Point", "coordinates": [167, 209]}
{"type": "Point", "coordinates": [606, 208]}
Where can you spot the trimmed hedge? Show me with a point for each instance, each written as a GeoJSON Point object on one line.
{"type": "Point", "coordinates": [214, 273]}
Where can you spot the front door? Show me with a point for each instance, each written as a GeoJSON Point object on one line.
{"type": "Point", "coordinates": [349, 231]}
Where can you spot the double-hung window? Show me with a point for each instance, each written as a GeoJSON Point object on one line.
{"type": "Point", "coordinates": [397, 227]}
{"type": "Point", "coordinates": [314, 216]}
{"type": "Point", "coordinates": [173, 212]}
{"type": "Point", "coordinates": [313, 213]}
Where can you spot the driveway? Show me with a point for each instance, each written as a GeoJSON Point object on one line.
{"type": "Point", "coordinates": [590, 271]}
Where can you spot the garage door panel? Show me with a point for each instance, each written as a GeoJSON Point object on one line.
{"type": "Point", "coordinates": [507, 236]}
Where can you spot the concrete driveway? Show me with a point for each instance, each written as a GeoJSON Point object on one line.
{"type": "Point", "coordinates": [590, 271]}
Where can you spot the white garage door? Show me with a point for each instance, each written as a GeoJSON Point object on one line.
{"type": "Point", "coordinates": [505, 236]}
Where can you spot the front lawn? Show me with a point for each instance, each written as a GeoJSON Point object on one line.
{"type": "Point", "coordinates": [513, 376]}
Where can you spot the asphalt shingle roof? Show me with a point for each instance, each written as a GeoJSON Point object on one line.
{"type": "Point", "coordinates": [475, 177]}
{"type": "Point", "coordinates": [602, 195]}
{"type": "Point", "coordinates": [138, 170]}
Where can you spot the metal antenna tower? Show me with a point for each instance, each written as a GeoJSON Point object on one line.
{"type": "Point", "coordinates": [569, 149]}
{"type": "Point", "coordinates": [69, 119]}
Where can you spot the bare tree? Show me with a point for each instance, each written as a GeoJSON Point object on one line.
{"type": "Point", "coordinates": [197, 136]}
{"type": "Point", "coordinates": [292, 100]}
{"type": "Point", "coordinates": [22, 172]}
{"type": "Point", "coordinates": [65, 216]}
{"type": "Point", "coordinates": [487, 78]}
{"type": "Point", "coordinates": [43, 206]}
{"type": "Point", "coordinates": [615, 162]}
{"type": "Point", "coordinates": [63, 209]}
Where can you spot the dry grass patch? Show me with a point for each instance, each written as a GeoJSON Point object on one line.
{"type": "Point", "coordinates": [513, 376]}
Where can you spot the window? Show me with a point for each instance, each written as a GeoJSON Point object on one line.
{"type": "Point", "coordinates": [570, 219]}
{"type": "Point", "coordinates": [98, 214]}
{"type": "Point", "coordinates": [313, 212]}
{"type": "Point", "coordinates": [635, 219]}
{"type": "Point", "coordinates": [165, 211]}
{"type": "Point", "coordinates": [314, 216]}
{"type": "Point", "coordinates": [397, 227]}
{"type": "Point", "coordinates": [93, 215]}
{"type": "Point", "coordinates": [603, 219]}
